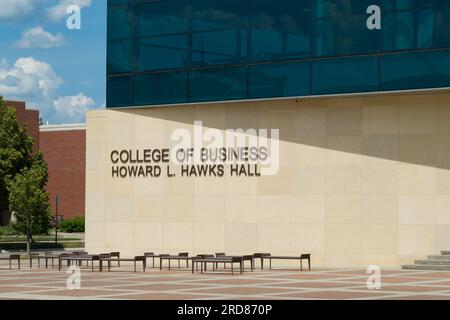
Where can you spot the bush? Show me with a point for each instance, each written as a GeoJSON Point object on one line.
{"type": "Point", "coordinates": [72, 225]}
{"type": "Point", "coordinates": [8, 231]}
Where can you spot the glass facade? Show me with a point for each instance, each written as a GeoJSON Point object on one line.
{"type": "Point", "coordinates": [182, 51]}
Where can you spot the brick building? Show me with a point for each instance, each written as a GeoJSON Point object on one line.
{"type": "Point", "coordinates": [64, 149]}
{"type": "Point", "coordinates": [28, 118]}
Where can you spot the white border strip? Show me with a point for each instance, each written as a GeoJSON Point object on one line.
{"type": "Point", "coordinates": [62, 127]}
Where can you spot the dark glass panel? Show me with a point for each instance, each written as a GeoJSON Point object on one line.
{"type": "Point", "coordinates": [162, 17]}
{"type": "Point", "coordinates": [161, 88]}
{"type": "Point", "coordinates": [279, 80]}
{"type": "Point", "coordinates": [120, 22]}
{"type": "Point", "coordinates": [415, 70]}
{"type": "Point", "coordinates": [168, 52]}
{"type": "Point", "coordinates": [398, 31]}
{"type": "Point", "coordinates": [345, 75]}
{"type": "Point", "coordinates": [280, 30]}
{"type": "Point", "coordinates": [218, 84]}
{"type": "Point", "coordinates": [120, 91]}
{"type": "Point", "coordinates": [216, 14]}
{"type": "Point", "coordinates": [219, 47]}
{"type": "Point", "coordinates": [120, 56]}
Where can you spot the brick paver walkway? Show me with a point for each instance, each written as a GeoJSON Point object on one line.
{"type": "Point", "coordinates": [258, 285]}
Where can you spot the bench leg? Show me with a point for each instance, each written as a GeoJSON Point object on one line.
{"type": "Point", "coordinates": [262, 263]}
{"type": "Point", "coordinates": [309, 264]}
{"type": "Point", "coordinates": [270, 261]}
{"type": "Point", "coordinates": [134, 265]}
{"type": "Point", "coordinates": [301, 265]}
{"type": "Point", "coordinates": [9, 264]}
{"type": "Point", "coordinates": [169, 264]}
{"type": "Point", "coordinates": [232, 268]}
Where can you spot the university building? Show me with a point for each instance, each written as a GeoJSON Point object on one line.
{"type": "Point", "coordinates": [361, 101]}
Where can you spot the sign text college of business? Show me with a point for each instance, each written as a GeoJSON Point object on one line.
{"type": "Point", "coordinates": [154, 163]}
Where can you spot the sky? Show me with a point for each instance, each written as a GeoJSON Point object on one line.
{"type": "Point", "coordinates": [59, 70]}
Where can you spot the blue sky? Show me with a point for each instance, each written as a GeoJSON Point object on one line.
{"type": "Point", "coordinates": [59, 71]}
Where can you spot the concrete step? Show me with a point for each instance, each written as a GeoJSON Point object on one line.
{"type": "Point", "coordinates": [427, 267]}
{"type": "Point", "coordinates": [433, 262]}
{"type": "Point", "coordinates": [439, 257]}
{"type": "Point", "coordinates": [445, 253]}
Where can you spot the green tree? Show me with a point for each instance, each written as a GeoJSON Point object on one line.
{"type": "Point", "coordinates": [15, 150]}
{"type": "Point", "coordinates": [29, 201]}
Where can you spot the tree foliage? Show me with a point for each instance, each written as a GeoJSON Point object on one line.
{"type": "Point", "coordinates": [15, 150]}
{"type": "Point", "coordinates": [23, 177]}
{"type": "Point", "coordinates": [28, 199]}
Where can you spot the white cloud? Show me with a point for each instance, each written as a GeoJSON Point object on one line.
{"type": "Point", "coordinates": [37, 83]}
{"type": "Point", "coordinates": [58, 11]}
{"type": "Point", "coordinates": [74, 107]}
{"type": "Point", "coordinates": [39, 38]}
{"type": "Point", "coordinates": [14, 8]}
{"type": "Point", "coordinates": [28, 78]}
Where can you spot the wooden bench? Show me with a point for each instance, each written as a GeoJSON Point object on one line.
{"type": "Point", "coordinates": [12, 257]}
{"type": "Point", "coordinates": [181, 256]}
{"type": "Point", "coordinates": [204, 261]}
{"type": "Point", "coordinates": [300, 257]}
{"type": "Point", "coordinates": [142, 259]}
{"type": "Point", "coordinates": [78, 259]}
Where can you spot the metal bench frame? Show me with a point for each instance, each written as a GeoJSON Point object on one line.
{"type": "Point", "coordinates": [142, 259]}
{"type": "Point", "coordinates": [10, 258]}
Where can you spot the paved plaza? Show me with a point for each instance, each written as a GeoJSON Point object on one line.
{"type": "Point", "coordinates": [258, 285]}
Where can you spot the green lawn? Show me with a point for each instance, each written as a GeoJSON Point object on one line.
{"type": "Point", "coordinates": [36, 238]}
{"type": "Point", "coordinates": [12, 246]}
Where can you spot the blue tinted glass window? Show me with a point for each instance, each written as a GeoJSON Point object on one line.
{"type": "Point", "coordinates": [344, 35]}
{"type": "Point", "coordinates": [120, 91]}
{"type": "Point", "coordinates": [162, 17]}
{"type": "Point", "coordinates": [398, 31]}
{"type": "Point", "coordinates": [219, 47]}
{"type": "Point", "coordinates": [279, 80]}
{"type": "Point", "coordinates": [344, 75]}
{"type": "Point", "coordinates": [441, 26]}
{"type": "Point", "coordinates": [216, 14]}
{"type": "Point", "coordinates": [218, 84]}
{"type": "Point", "coordinates": [120, 22]}
{"type": "Point", "coordinates": [168, 52]}
{"type": "Point", "coordinates": [209, 50]}
{"type": "Point", "coordinates": [120, 56]}
{"type": "Point", "coordinates": [415, 70]}
{"type": "Point", "coordinates": [161, 88]}
{"type": "Point", "coordinates": [279, 30]}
